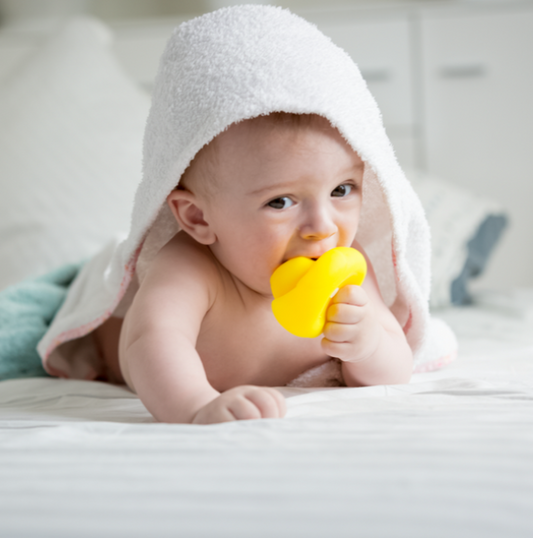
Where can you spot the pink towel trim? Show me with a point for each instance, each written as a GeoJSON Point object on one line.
{"type": "Point", "coordinates": [78, 332]}
{"type": "Point", "coordinates": [408, 323]}
{"type": "Point", "coordinates": [55, 372]}
{"type": "Point", "coordinates": [435, 365]}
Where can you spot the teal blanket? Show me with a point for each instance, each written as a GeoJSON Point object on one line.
{"type": "Point", "coordinates": [26, 310]}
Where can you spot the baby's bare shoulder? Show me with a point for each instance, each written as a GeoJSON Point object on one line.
{"type": "Point", "coordinates": [182, 257]}
{"type": "Point", "coordinates": [182, 268]}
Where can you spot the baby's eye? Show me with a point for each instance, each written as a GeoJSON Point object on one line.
{"type": "Point", "coordinates": [342, 190]}
{"type": "Point", "coordinates": [280, 203]}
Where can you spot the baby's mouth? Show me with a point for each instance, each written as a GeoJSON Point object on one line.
{"type": "Point", "coordinates": [292, 257]}
{"type": "Point", "coordinates": [314, 258]}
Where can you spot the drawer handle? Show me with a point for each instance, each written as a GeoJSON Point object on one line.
{"type": "Point", "coordinates": [376, 75]}
{"type": "Point", "coordinates": [463, 71]}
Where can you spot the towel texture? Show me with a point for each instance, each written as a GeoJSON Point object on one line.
{"type": "Point", "coordinates": [227, 66]}
{"type": "Point", "coordinates": [26, 310]}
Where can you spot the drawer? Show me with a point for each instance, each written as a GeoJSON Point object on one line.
{"type": "Point", "coordinates": [382, 50]}
{"type": "Point", "coordinates": [477, 71]}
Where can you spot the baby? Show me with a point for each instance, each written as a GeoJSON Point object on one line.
{"type": "Point", "coordinates": [263, 144]}
{"type": "Point", "coordinates": [200, 343]}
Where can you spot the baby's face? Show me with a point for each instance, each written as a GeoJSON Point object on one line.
{"type": "Point", "coordinates": [281, 192]}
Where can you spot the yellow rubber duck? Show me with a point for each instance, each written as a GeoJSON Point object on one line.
{"type": "Point", "coordinates": [303, 288]}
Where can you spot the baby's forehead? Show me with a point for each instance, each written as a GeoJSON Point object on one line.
{"type": "Point", "coordinates": [255, 132]}
{"type": "Point", "coordinates": [282, 130]}
{"type": "Point", "coordinates": [279, 122]}
{"type": "Point", "coordinates": [269, 138]}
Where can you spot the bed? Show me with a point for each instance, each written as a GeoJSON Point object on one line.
{"type": "Point", "coordinates": [449, 454]}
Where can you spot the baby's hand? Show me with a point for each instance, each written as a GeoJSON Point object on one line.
{"type": "Point", "coordinates": [242, 403]}
{"type": "Point", "coordinates": [352, 331]}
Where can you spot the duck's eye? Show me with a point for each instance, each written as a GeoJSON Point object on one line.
{"type": "Point", "coordinates": [280, 203]}
{"type": "Point", "coordinates": [342, 190]}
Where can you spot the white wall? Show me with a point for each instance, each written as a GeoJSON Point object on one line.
{"type": "Point", "coordinates": [11, 10]}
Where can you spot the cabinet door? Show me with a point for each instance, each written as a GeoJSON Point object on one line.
{"type": "Point", "coordinates": [478, 120]}
{"type": "Point", "coordinates": [382, 50]}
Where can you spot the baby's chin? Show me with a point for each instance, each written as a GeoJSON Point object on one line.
{"type": "Point", "coordinates": [263, 291]}
{"type": "Point", "coordinates": [259, 286]}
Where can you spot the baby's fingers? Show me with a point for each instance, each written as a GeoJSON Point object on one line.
{"type": "Point", "coordinates": [241, 408]}
{"type": "Point", "coordinates": [243, 403]}
{"type": "Point", "coordinates": [340, 350]}
{"type": "Point", "coordinates": [344, 313]}
{"type": "Point", "coordinates": [338, 339]}
{"type": "Point", "coordinates": [248, 403]}
{"type": "Point", "coordinates": [339, 332]}
{"type": "Point", "coordinates": [352, 295]}
{"type": "Point", "coordinates": [269, 402]}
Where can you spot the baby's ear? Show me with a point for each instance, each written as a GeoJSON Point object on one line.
{"type": "Point", "coordinates": [188, 211]}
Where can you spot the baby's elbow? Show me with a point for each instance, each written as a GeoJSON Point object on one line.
{"type": "Point", "coordinates": [404, 367]}
{"type": "Point", "coordinates": [399, 375]}
{"type": "Point", "coordinates": [402, 377]}
{"type": "Point", "coordinates": [401, 366]}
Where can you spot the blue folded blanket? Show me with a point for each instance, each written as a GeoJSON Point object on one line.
{"type": "Point", "coordinates": [26, 311]}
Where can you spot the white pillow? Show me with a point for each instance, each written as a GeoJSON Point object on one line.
{"type": "Point", "coordinates": [464, 230]}
{"type": "Point", "coordinates": [71, 127]}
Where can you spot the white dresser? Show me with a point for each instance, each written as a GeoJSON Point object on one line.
{"type": "Point", "coordinates": [455, 85]}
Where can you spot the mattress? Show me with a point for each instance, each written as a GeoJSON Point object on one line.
{"type": "Point", "coordinates": [449, 454]}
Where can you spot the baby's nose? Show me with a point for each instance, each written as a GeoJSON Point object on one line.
{"type": "Point", "coordinates": [318, 225]}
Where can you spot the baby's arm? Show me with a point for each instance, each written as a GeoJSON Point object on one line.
{"type": "Point", "coordinates": [362, 332]}
{"type": "Point", "coordinates": [158, 345]}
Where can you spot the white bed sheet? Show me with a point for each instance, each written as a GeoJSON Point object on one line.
{"type": "Point", "coordinates": [450, 454]}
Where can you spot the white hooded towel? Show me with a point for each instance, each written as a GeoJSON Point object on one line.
{"type": "Point", "coordinates": [221, 68]}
